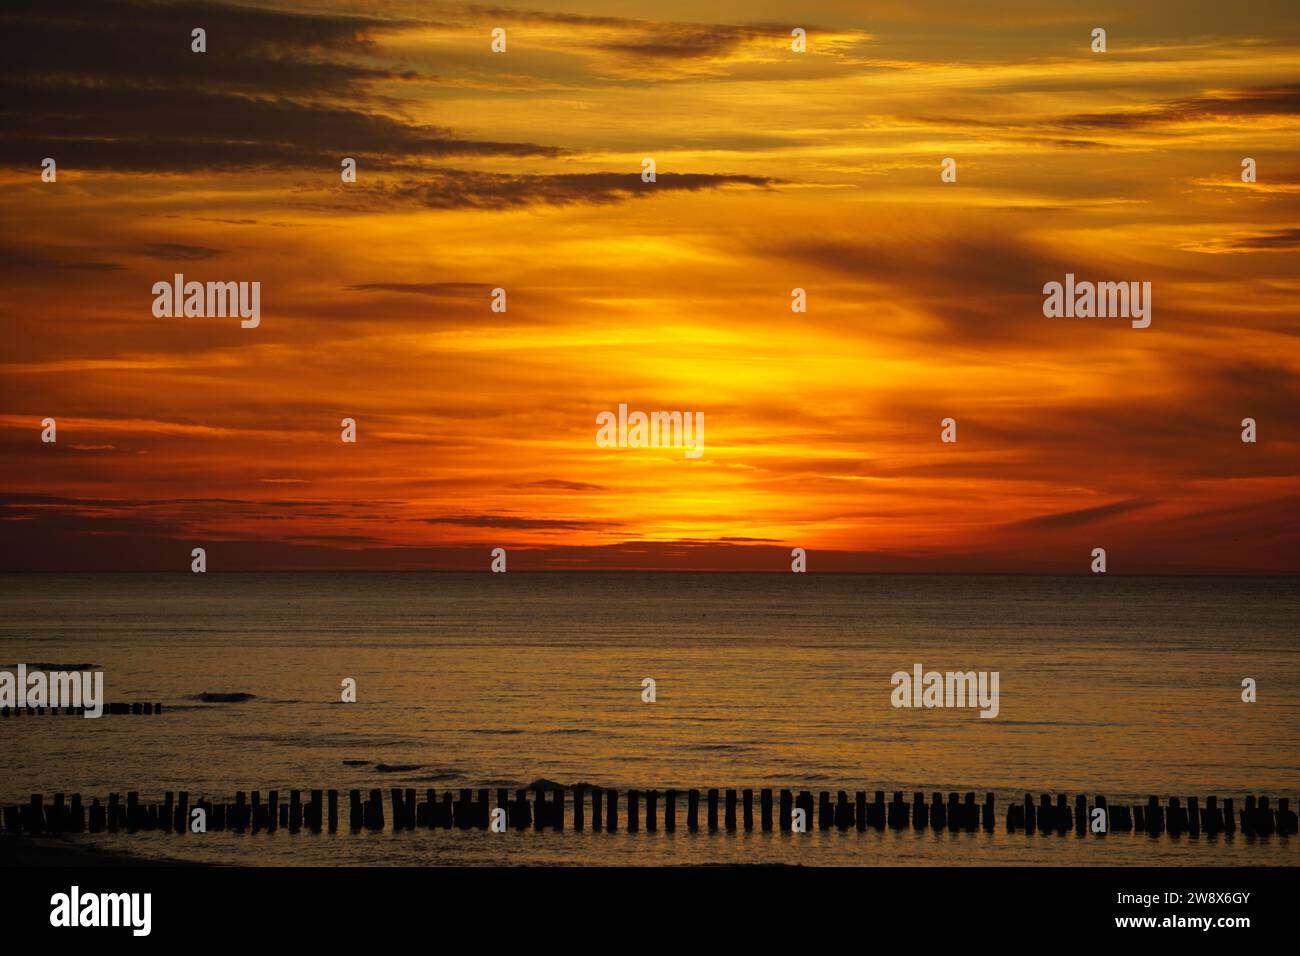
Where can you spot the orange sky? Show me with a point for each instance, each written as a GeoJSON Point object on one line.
{"type": "Point", "coordinates": [775, 170]}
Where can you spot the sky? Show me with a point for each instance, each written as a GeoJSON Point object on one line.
{"type": "Point", "coordinates": [775, 170]}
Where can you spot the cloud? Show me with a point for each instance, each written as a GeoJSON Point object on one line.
{"type": "Point", "coordinates": [1283, 100]}
{"type": "Point", "coordinates": [463, 189]}
{"type": "Point", "coordinates": [115, 86]}
{"type": "Point", "coordinates": [515, 521]}
{"type": "Point", "coordinates": [1083, 516]}
{"type": "Point", "coordinates": [176, 251]}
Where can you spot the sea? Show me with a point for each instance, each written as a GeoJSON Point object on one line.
{"type": "Point", "coordinates": [1119, 686]}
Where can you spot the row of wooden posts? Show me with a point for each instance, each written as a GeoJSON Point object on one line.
{"type": "Point", "coordinates": [471, 810]}
{"type": "Point", "coordinates": [136, 708]}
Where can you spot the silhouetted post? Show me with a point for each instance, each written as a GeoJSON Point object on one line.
{"type": "Point", "coordinates": [355, 819]}
{"type": "Point", "coordinates": [1229, 816]}
{"type": "Point", "coordinates": [1140, 818]}
{"type": "Point", "coordinates": [876, 811]}
{"type": "Point", "coordinates": [259, 813]}
{"type": "Point", "coordinates": [825, 818]}
{"type": "Point", "coordinates": [334, 810]}
{"type": "Point", "coordinates": [633, 810]}
{"type": "Point", "coordinates": [1155, 817]}
{"type": "Point", "coordinates": [747, 809]}
{"type": "Point", "coordinates": [295, 810]}
{"type": "Point", "coordinates": [843, 811]}
{"type": "Point", "coordinates": [920, 812]}
{"type": "Point", "coordinates": [860, 810]}
{"type": "Point", "coordinates": [786, 813]}
{"type": "Point", "coordinates": [1193, 816]}
{"type": "Point", "coordinates": [1062, 814]}
{"type": "Point", "coordinates": [1046, 814]}
{"type": "Point", "coordinates": [670, 811]}
{"type": "Point", "coordinates": [652, 811]}
{"type": "Point", "coordinates": [579, 810]}
{"type": "Point", "coordinates": [133, 809]}
{"type": "Point", "coordinates": [375, 810]}
{"type": "Point", "coordinates": [596, 806]}
{"type": "Point", "coordinates": [1080, 814]}
{"type": "Point", "coordinates": [1265, 825]}
{"type": "Point", "coordinates": [1031, 816]}
{"type": "Point", "coordinates": [713, 809]}
{"type": "Point", "coordinates": [938, 815]}
{"type": "Point", "coordinates": [898, 812]}
{"type": "Point", "coordinates": [765, 809]}
{"type": "Point", "coordinates": [611, 806]}
{"type": "Point", "coordinates": [729, 819]}
{"type": "Point", "coordinates": [1286, 817]}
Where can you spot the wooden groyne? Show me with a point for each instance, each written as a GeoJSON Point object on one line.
{"type": "Point", "coordinates": [137, 708]}
{"type": "Point", "coordinates": [597, 809]}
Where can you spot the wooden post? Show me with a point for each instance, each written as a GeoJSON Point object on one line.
{"type": "Point", "coordinates": [355, 818]}
{"type": "Point", "coordinates": [579, 809]}
{"type": "Point", "coordinates": [786, 815]}
{"type": "Point", "coordinates": [334, 811]}
{"type": "Point", "coordinates": [1193, 816]}
{"type": "Point", "coordinates": [1155, 817]}
{"type": "Point", "coordinates": [730, 819]}
{"type": "Point", "coordinates": [652, 811]}
{"type": "Point", "coordinates": [938, 815]}
{"type": "Point", "coordinates": [595, 809]}
{"type": "Point", "coordinates": [1286, 817]}
{"type": "Point", "coordinates": [825, 816]}
{"type": "Point", "coordinates": [713, 809]}
{"type": "Point", "coordinates": [765, 809]}
{"type": "Point", "coordinates": [920, 812]}
{"type": "Point", "coordinates": [693, 810]}
{"type": "Point", "coordinates": [1229, 817]}
{"type": "Point", "coordinates": [747, 808]}
{"type": "Point", "coordinates": [633, 810]}
{"type": "Point", "coordinates": [611, 806]}
{"type": "Point", "coordinates": [1031, 816]}
{"type": "Point", "coordinates": [876, 811]}
{"type": "Point", "coordinates": [670, 811]}
{"type": "Point", "coordinates": [1264, 823]}
{"type": "Point", "coordinates": [843, 810]}
{"type": "Point", "coordinates": [860, 810]}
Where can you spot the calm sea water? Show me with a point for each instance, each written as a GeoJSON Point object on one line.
{"type": "Point", "coordinates": [1118, 686]}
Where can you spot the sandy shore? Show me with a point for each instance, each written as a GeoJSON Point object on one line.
{"type": "Point", "coordinates": [25, 851]}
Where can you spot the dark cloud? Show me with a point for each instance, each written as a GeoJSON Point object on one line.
{"type": "Point", "coordinates": [114, 85]}
{"type": "Point", "coordinates": [435, 289]}
{"type": "Point", "coordinates": [515, 521]}
{"type": "Point", "coordinates": [558, 484]}
{"type": "Point", "coordinates": [463, 189]}
{"type": "Point", "coordinates": [1234, 104]}
{"type": "Point", "coordinates": [1285, 239]}
{"type": "Point", "coordinates": [1083, 516]}
{"type": "Point", "coordinates": [177, 251]}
